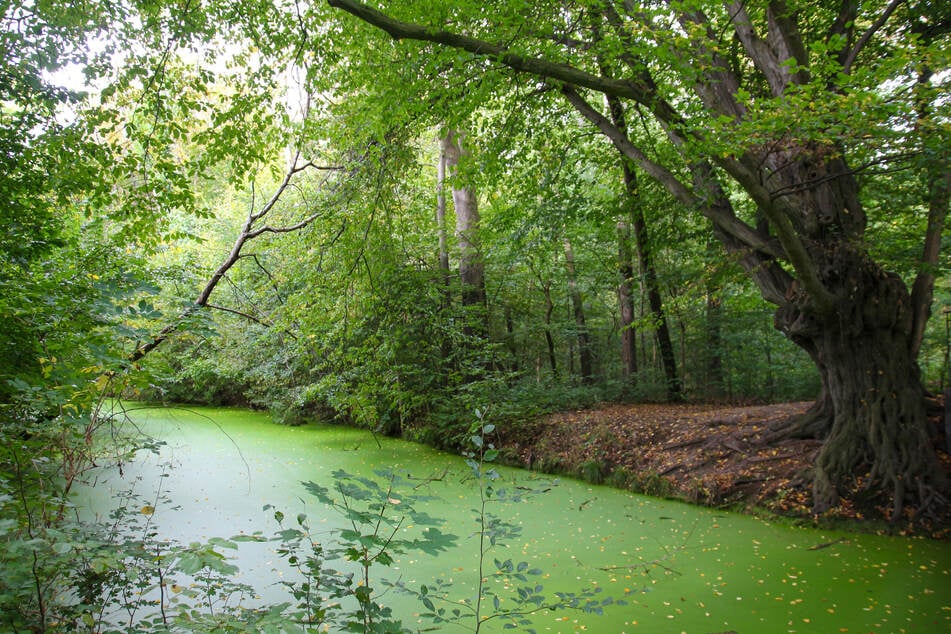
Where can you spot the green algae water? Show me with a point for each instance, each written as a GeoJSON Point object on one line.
{"type": "Point", "coordinates": [678, 568]}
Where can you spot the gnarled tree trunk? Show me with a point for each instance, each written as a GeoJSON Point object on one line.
{"type": "Point", "coordinates": [871, 411]}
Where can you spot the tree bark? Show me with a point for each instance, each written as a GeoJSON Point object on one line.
{"type": "Point", "coordinates": [625, 296]}
{"type": "Point", "coordinates": [871, 409]}
{"type": "Point", "coordinates": [466, 205]}
{"type": "Point", "coordinates": [577, 305]}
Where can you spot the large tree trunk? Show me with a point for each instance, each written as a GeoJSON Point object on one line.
{"type": "Point", "coordinates": [871, 410]}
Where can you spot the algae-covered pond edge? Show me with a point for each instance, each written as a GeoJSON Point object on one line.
{"type": "Point", "coordinates": [729, 571]}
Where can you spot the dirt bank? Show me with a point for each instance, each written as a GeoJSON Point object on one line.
{"type": "Point", "coordinates": [709, 454]}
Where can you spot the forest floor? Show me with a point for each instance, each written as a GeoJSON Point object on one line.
{"type": "Point", "coordinates": [713, 455]}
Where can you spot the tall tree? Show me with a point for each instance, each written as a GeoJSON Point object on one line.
{"type": "Point", "coordinates": [625, 297]}
{"type": "Point", "coordinates": [585, 357]}
{"type": "Point", "coordinates": [648, 273]}
{"type": "Point", "coordinates": [466, 205]}
{"type": "Point", "coordinates": [713, 327]}
{"type": "Point", "coordinates": [441, 214]}
{"type": "Point", "coordinates": [788, 104]}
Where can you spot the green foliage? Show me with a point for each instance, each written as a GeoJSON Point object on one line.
{"type": "Point", "coordinates": [63, 574]}
{"type": "Point", "coordinates": [117, 205]}
{"type": "Point", "coordinates": [376, 510]}
{"type": "Point", "coordinates": [528, 594]}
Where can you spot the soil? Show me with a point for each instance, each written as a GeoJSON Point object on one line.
{"type": "Point", "coordinates": [707, 454]}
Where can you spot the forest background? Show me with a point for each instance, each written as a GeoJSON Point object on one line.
{"type": "Point", "coordinates": [395, 219]}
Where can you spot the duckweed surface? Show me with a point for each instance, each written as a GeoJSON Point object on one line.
{"type": "Point", "coordinates": [678, 568]}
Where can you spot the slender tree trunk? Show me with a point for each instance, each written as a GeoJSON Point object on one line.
{"type": "Point", "coordinates": [465, 202]}
{"type": "Point", "coordinates": [549, 339]}
{"type": "Point", "coordinates": [577, 306]}
{"type": "Point", "coordinates": [545, 285]}
{"type": "Point", "coordinates": [441, 221]}
{"type": "Point", "coordinates": [625, 296]}
{"type": "Point", "coordinates": [652, 286]}
{"type": "Point", "coordinates": [646, 265]}
{"type": "Point", "coordinates": [510, 338]}
{"type": "Point", "coordinates": [445, 346]}
{"type": "Point", "coordinates": [938, 198]}
{"type": "Point", "coordinates": [714, 381]}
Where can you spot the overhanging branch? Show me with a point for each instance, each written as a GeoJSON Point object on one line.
{"type": "Point", "coordinates": [570, 77]}
{"type": "Point", "coordinates": [248, 233]}
{"type": "Point", "coordinates": [545, 69]}
{"type": "Point", "coordinates": [727, 222]}
{"type": "Point", "coordinates": [867, 35]}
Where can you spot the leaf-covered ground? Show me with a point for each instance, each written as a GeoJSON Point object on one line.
{"type": "Point", "coordinates": [708, 454]}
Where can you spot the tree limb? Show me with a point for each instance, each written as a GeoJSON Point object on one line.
{"type": "Point", "coordinates": [246, 234]}
{"type": "Point", "coordinates": [864, 39]}
{"type": "Point", "coordinates": [757, 48]}
{"type": "Point", "coordinates": [727, 222]}
{"type": "Point", "coordinates": [779, 212]}
{"type": "Point", "coordinates": [545, 69]}
{"type": "Point", "coordinates": [239, 313]}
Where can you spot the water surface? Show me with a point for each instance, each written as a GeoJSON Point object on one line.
{"type": "Point", "coordinates": [680, 568]}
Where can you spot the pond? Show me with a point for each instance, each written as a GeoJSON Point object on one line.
{"type": "Point", "coordinates": [678, 568]}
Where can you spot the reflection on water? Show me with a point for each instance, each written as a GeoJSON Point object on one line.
{"type": "Point", "coordinates": [680, 568]}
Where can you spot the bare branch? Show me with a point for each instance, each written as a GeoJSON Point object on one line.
{"type": "Point", "coordinates": [269, 205]}
{"type": "Point", "coordinates": [246, 234]}
{"type": "Point", "coordinates": [239, 313]}
{"type": "Point", "coordinates": [862, 41]}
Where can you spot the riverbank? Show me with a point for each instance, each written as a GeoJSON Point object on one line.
{"type": "Point", "coordinates": [712, 455]}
